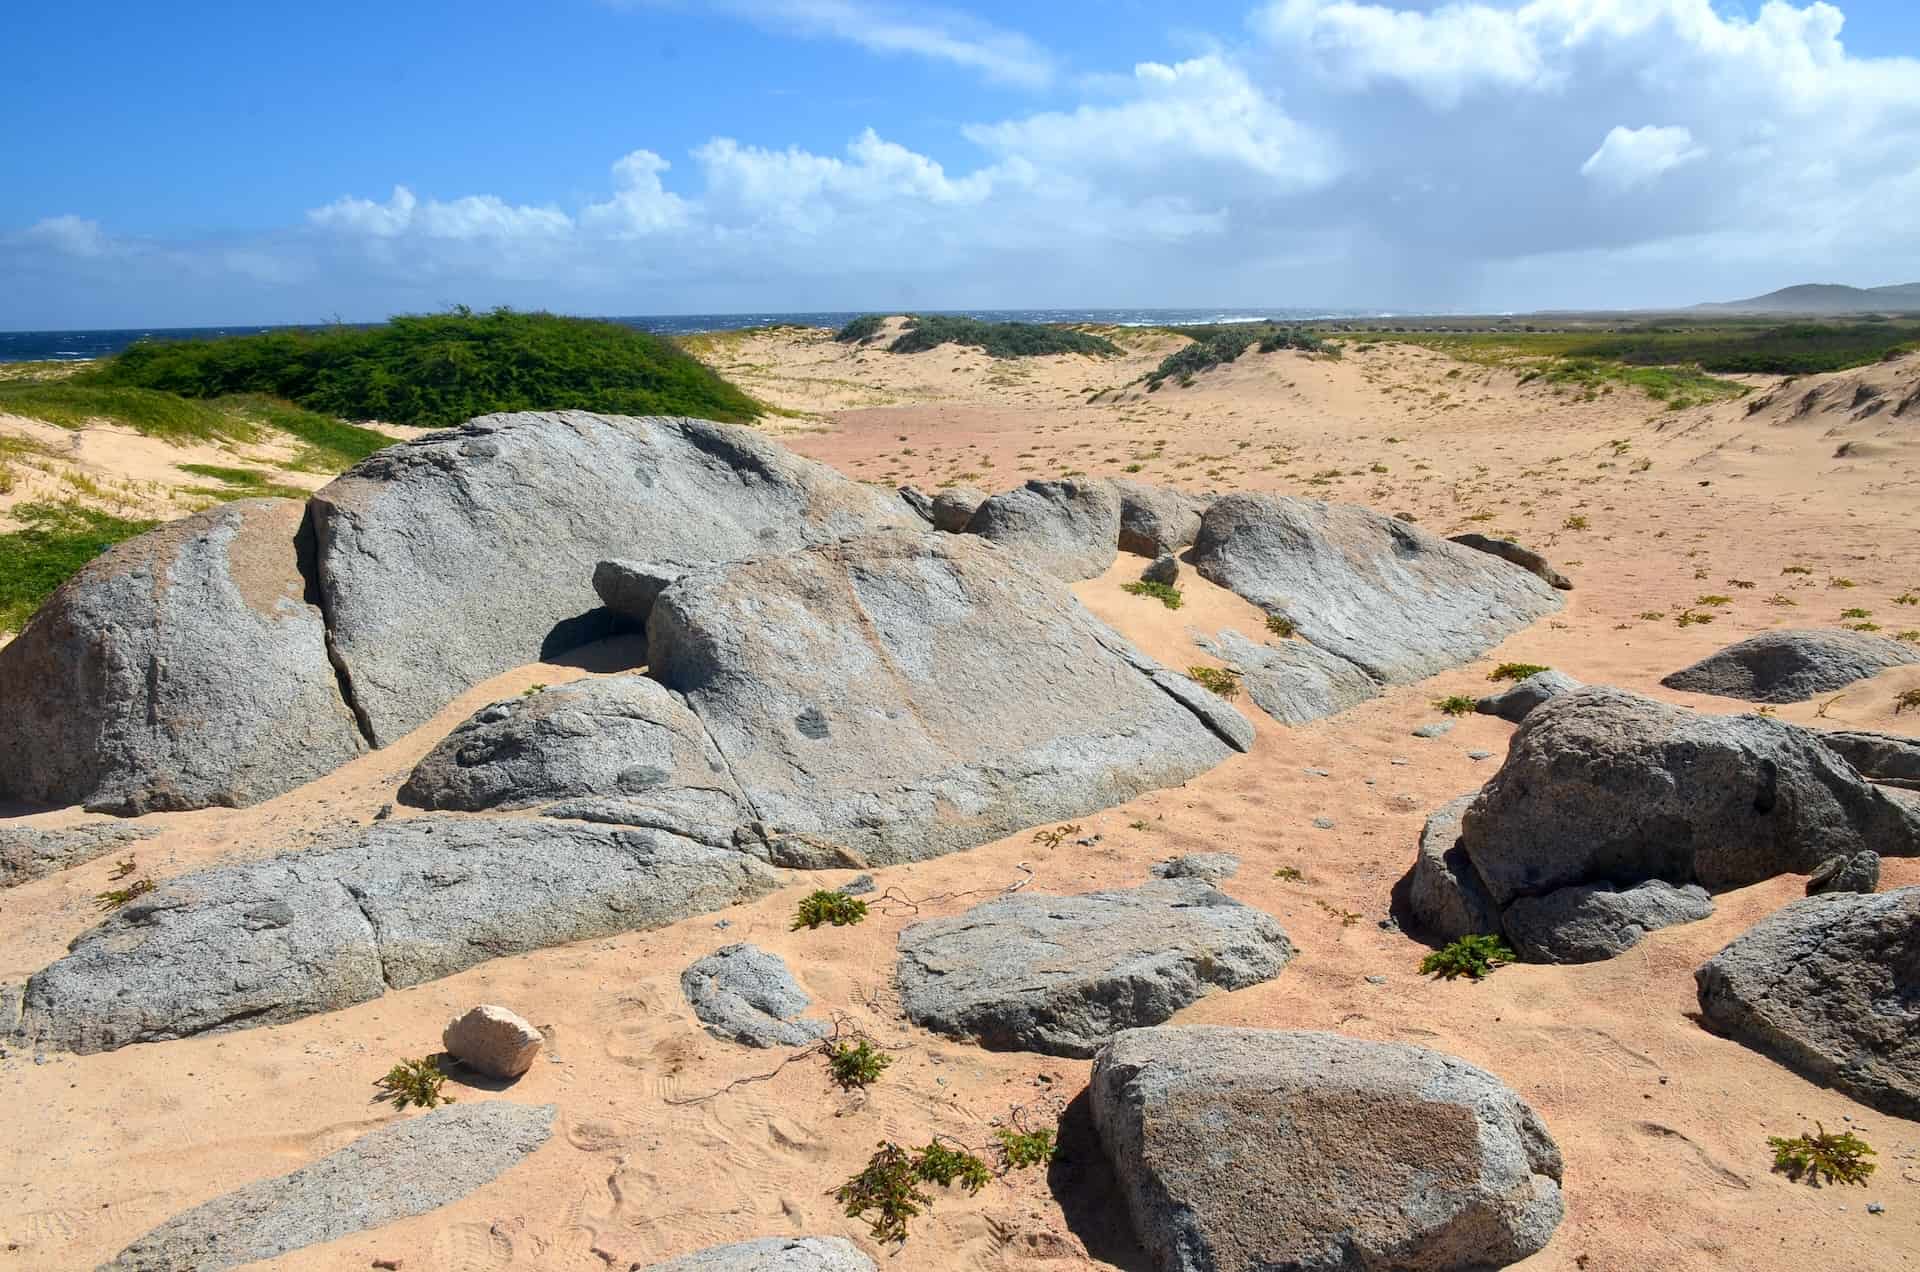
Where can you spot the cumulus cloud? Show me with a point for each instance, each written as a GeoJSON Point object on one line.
{"type": "Point", "coordinates": [1631, 157]}
{"type": "Point", "coordinates": [69, 235]}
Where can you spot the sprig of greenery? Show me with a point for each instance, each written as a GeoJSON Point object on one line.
{"type": "Point", "coordinates": [1166, 593]}
{"type": "Point", "coordinates": [855, 1064]}
{"type": "Point", "coordinates": [1473, 956]}
{"type": "Point", "coordinates": [415, 1082]}
{"type": "Point", "coordinates": [821, 907]}
{"type": "Point", "coordinates": [1839, 1158]}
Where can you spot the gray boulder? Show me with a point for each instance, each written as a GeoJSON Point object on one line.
{"type": "Point", "coordinates": [743, 994]}
{"type": "Point", "coordinates": [28, 853]}
{"type": "Point", "coordinates": [906, 695]}
{"type": "Point", "coordinates": [918, 502]}
{"type": "Point", "coordinates": [615, 738]}
{"type": "Point", "coordinates": [1062, 974]}
{"type": "Point", "coordinates": [1885, 758]}
{"type": "Point", "coordinates": [1263, 1149]}
{"type": "Point", "coordinates": [1156, 520]}
{"type": "Point", "coordinates": [773, 1254]}
{"type": "Point", "coordinates": [1397, 602]}
{"type": "Point", "coordinates": [1293, 681]}
{"type": "Point", "coordinates": [1069, 529]}
{"type": "Point", "coordinates": [1512, 553]}
{"type": "Point", "coordinates": [1590, 922]}
{"type": "Point", "coordinates": [1604, 786]}
{"type": "Point", "coordinates": [395, 904]}
{"type": "Point", "coordinates": [462, 554]}
{"type": "Point", "coordinates": [1858, 873]}
{"type": "Point", "coordinates": [1792, 666]}
{"type": "Point", "coordinates": [1826, 987]}
{"type": "Point", "coordinates": [955, 506]}
{"type": "Point", "coordinates": [1210, 866]}
{"type": "Point", "coordinates": [182, 669]}
{"type": "Point", "coordinates": [1444, 892]}
{"type": "Point", "coordinates": [1514, 703]}
{"type": "Point", "coordinates": [405, 1168]}
{"type": "Point", "coordinates": [629, 588]}
{"type": "Point", "coordinates": [1165, 569]}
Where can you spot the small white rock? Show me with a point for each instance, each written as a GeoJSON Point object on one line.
{"type": "Point", "coordinates": [493, 1040]}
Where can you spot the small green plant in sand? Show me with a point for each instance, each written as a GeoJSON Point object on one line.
{"type": "Point", "coordinates": [889, 1186]}
{"type": "Point", "coordinates": [855, 1064]}
{"type": "Point", "coordinates": [1054, 836]}
{"type": "Point", "coordinates": [1288, 874]}
{"type": "Point", "coordinates": [530, 690]}
{"type": "Point", "coordinates": [1906, 700]}
{"type": "Point", "coordinates": [1854, 611]}
{"type": "Point", "coordinates": [1780, 598]}
{"type": "Point", "coordinates": [1713, 598]}
{"type": "Point", "coordinates": [1454, 704]}
{"type": "Point", "coordinates": [1574, 522]}
{"type": "Point", "coordinates": [1472, 956]}
{"type": "Point", "coordinates": [121, 869]}
{"type": "Point", "coordinates": [1020, 1149]}
{"type": "Point", "coordinates": [1840, 1159]}
{"type": "Point", "coordinates": [1165, 593]}
{"type": "Point", "coordinates": [1796, 569]}
{"type": "Point", "coordinates": [1347, 917]}
{"type": "Point", "coordinates": [1841, 581]}
{"type": "Point", "coordinates": [822, 907]}
{"type": "Point", "coordinates": [113, 898]}
{"type": "Point", "coordinates": [415, 1082]}
{"type": "Point", "coordinates": [1907, 598]}
{"type": "Point", "coordinates": [1515, 671]}
{"type": "Point", "coordinates": [943, 1164]}
{"type": "Point", "coordinates": [1653, 616]}
{"type": "Point", "coordinates": [1282, 626]}
{"type": "Point", "coordinates": [1221, 680]}
{"type": "Point", "coordinates": [1691, 617]}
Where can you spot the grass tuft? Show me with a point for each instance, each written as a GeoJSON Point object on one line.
{"type": "Point", "coordinates": [822, 907]}
{"type": "Point", "coordinates": [55, 541]}
{"type": "Point", "coordinates": [1471, 956]}
{"type": "Point", "coordinates": [1166, 593]}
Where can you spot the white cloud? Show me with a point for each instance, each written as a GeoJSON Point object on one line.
{"type": "Point", "coordinates": [1440, 55]}
{"type": "Point", "coordinates": [640, 205]}
{"type": "Point", "coordinates": [68, 234]}
{"type": "Point", "coordinates": [476, 216]}
{"type": "Point", "coordinates": [1632, 157]}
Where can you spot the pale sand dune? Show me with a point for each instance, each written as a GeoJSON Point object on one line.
{"type": "Point", "coordinates": [1663, 1125]}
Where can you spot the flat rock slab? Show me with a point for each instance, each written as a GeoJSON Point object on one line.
{"type": "Point", "coordinates": [181, 669]}
{"type": "Point", "coordinates": [1069, 529]}
{"type": "Point", "coordinates": [1395, 601]}
{"type": "Point", "coordinates": [773, 1254]}
{"type": "Point", "coordinates": [442, 562]}
{"type": "Point", "coordinates": [1886, 758]}
{"type": "Point", "coordinates": [1826, 986]}
{"type": "Point", "coordinates": [1590, 922]}
{"type": "Point", "coordinates": [1517, 702]}
{"type": "Point", "coordinates": [1293, 681]}
{"type": "Point", "coordinates": [1062, 974]}
{"type": "Point", "coordinates": [1210, 866]}
{"type": "Point", "coordinates": [28, 853]}
{"type": "Point", "coordinates": [397, 904]}
{"type": "Point", "coordinates": [403, 1169]}
{"type": "Point", "coordinates": [1792, 666]}
{"type": "Point", "coordinates": [906, 694]}
{"type": "Point", "coordinates": [744, 994]}
{"type": "Point", "coordinates": [1252, 1149]}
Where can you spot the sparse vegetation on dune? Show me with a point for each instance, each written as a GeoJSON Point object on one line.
{"type": "Point", "coordinates": [55, 541]}
{"type": "Point", "coordinates": [1214, 345]}
{"type": "Point", "coordinates": [997, 339]}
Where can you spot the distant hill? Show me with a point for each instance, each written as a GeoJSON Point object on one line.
{"type": "Point", "coordinates": [1827, 298]}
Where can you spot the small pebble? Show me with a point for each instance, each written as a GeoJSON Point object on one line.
{"type": "Point", "coordinates": [1376, 980]}
{"type": "Point", "coordinates": [386, 811]}
{"type": "Point", "coordinates": [1479, 755]}
{"type": "Point", "coordinates": [1875, 1208]}
{"type": "Point", "coordinates": [859, 885]}
{"type": "Point", "coordinates": [723, 925]}
{"type": "Point", "coordinates": [1324, 823]}
{"type": "Point", "coordinates": [1316, 772]}
{"type": "Point", "coordinates": [1435, 729]}
{"type": "Point", "coordinates": [1399, 759]}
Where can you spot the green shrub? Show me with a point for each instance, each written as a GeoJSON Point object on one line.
{"type": "Point", "coordinates": [114, 898]}
{"type": "Point", "coordinates": [856, 1064]}
{"type": "Point", "coordinates": [1454, 704]}
{"type": "Point", "coordinates": [1473, 956]}
{"type": "Point", "coordinates": [1515, 671]}
{"type": "Point", "coordinates": [939, 1164]}
{"type": "Point", "coordinates": [861, 330]}
{"type": "Point", "coordinates": [997, 339]}
{"type": "Point", "coordinates": [1166, 593]}
{"type": "Point", "coordinates": [415, 1082]}
{"type": "Point", "coordinates": [1839, 1158]}
{"type": "Point", "coordinates": [1020, 1149]}
{"type": "Point", "coordinates": [888, 1186]}
{"type": "Point", "coordinates": [1281, 625]}
{"type": "Point", "coordinates": [822, 906]}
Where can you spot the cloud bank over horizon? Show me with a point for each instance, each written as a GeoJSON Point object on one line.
{"type": "Point", "coordinates": [1475, 156]}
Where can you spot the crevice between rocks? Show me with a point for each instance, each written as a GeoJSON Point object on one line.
{"type": "Point", "coordinates": [373, 934]}
{"type": "Point", "coordinates": [306, 548]}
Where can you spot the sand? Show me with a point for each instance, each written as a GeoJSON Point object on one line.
{"type": "Point", "coordinates": [1662, 1124]}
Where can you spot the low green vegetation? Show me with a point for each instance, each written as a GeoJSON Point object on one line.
{"type": "Point", "coordinates": [823, 907]}
{"type": "Point", "coordinates": [1165, 593]}
{"type": "Point", "coordinates": [113, 898]}
{"type": "Point", "coordinates": [240, 483]}
{"type": "Point", "coordinates": [55, 540]}
{"type": "Point", "coordinates": [1220, 680]}
{"type": "Point", "coordinates": [1215, 345]}
{"type": "Point", "coordinates": [1282, 626]}
{"type": "Point", "coordinates": [997, 339]}
{"type": "Point", "coordinates": [942, 1164]}
{"type": "Point", "coordinates": [1021, 1149]}
{"type": "Point", "coordinates": [1454, 704]}
{"type": "Point", "coordinates": [1471, 956]}
{"type": "Point", "coordinates": [415, 1082]}
{"type": "Point", "coordinates": [1515, 671]}
{"type": "Point", "coordinates": [1822, 1157]}
{"type": "Point", "coordinates": [856, 1064]}
{"type": "Point", "coordinates": [1051, 837]}
{"type": "Point", "coordinates": [862, 330]}
{"type": "Point", "coordinates": [889, 1191]}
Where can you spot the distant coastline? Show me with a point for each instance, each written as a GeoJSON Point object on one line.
{"type": "Point", "coordinates": [43, 346]}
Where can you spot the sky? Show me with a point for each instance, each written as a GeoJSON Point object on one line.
{"type": "Point", "coordinates": [203, 164]}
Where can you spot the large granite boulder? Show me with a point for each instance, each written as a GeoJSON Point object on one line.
{"type": "Point", "coordinates": [405, 1168]}
{"type": "Point", "coordinates": [1293, 681]}
{"type": "Point", "coordinates": [1157, 520]}
{"type": "Point", "coordinates": [1397, 602]}
{"type": "Point", "coordinates": [1062, 974]}
{"type": "Point", "coordinates": [1604, 786]}
{"type": "Point", "coordinates": [1827, 987]}
{"type": "Point", "coordinates": [744, 994]}
{"type": "Point", "coordinates": [28, 852]}
{"type": "Point", "coordinates": [617, 737]}
{"type": "Point", "coordinates": [1886, 758]}
{"type": "Point", "coordinates": [1069, 529]}
{"type": "Point", "coordinates": [1512, 553]}
{"type": "Point", "coordinates": [396, 904]}
{"type": "Point", "coordinates": [1593, 921]}
{"type": "Point", "coordinates": [906, 695]}
{"type": "Point", "coordinates": [772, 1254]}
{"type": "Point", "coordinates": [1516, 702]}
{"type": "Point", "coordinates": [184, 668]}
{"type": "Point", "coordinates": [1793, 665]}
{"type": "Point", "coordinates": [1255, 1149]}
{"type": "Point", "coordinates": [464, 553]}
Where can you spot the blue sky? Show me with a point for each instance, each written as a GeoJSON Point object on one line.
{"type": "Point", "coordinates": [201, 163]}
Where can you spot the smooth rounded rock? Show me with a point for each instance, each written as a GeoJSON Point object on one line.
{"type": "Point", "coordinates": [1069, 529]}
{"type": "Point", "coordinates": [493, 1041]}
{"type": "Point", "coordinates": [1793, 665]}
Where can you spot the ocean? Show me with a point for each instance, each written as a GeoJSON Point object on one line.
{"type": "Point", "coordinates": [42, 346]}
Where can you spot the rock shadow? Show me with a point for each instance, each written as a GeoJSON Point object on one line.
{"type": "Point", "coordinates": [1089, 1194]}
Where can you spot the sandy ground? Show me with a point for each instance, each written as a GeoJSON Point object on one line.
{"type": "Point", "coordinates": [1662, 1124]}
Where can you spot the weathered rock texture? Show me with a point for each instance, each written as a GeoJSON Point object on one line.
{"type": "Point", "coordinates": [1250, 1149]}
{"type": "Point", "coordinates": [1516, 702]}
{"type": "Point", "coordinates": [28, 853]}
{"type": "Point", "coordinates": [955, 506]}
{"type": "Point", "coordinates": [1444, 892]}
{"type": "Point", "coordinates": [405, 1168]}
{"type": "Point", "coordinates": [1292, 680]}
{"type": "Point", "coordinates": [1792, 666]}
{"type": "Point", "coordinates": [629, 588]}
{"type": "Point", "coordinates": [399, 903]}
{"type": "Point", "coordinates": [1393, 600]}
{"type": "Point", "coordinates": [1211, 866]}
{"type": "Point", "coordinates": [1589, 922]}
{"type": "Point", "coordinates": [1885, 758]}
{"type": "Point", "coordinates": [918, 501]}
{"type": "Point", "coordinates": [1069, 529]}
{"type": "Point", "coordinates": [1157, 520]}
{"type": "Point", "coordinates": [743, 994]}
{"type": "Point", "coordinates": [1858, 873]}
{"type": "Point", "coordinates": [1826, 986]}
{"type": "Point", "coordinates": [773, 1254]}
{"type": "Point", "coordinates": [452, 558]}
{"type": "Point", "coordinates": [1062, 974]}
{"type": "Point", "coordinates": [181, 669]}
{"type": "Point", "coordinates": [1526, 558]}
{"type": "Point", "coordinates": [907, 695]}
{"type": "Point", "coordinates": [493, 1041]}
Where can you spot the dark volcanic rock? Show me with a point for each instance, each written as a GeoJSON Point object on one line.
{"type": "Point", "coordinates": [1826, 986]}
{"type": "Point", "coordinates": [1253, 1149]}
{"type": "Point", "coordinates": [1792, 666]}
{"type": "Point", "coordinates": [405, 1168]}
{"type": "Point", "coordinates": [1069, 529]}
{"type": "Point", "coordinates": [442, 561]}
{"type": "Point", "coordinates": [1858, 873]}
{"type": "Point", "coordinates": [182, 669]}
{"type": "Point", "coordinates": [1526, 558]}
{"type": "Point", "coordinates": [1061, 974]}
{"type": "Point", "coordinates": [396, 904]}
